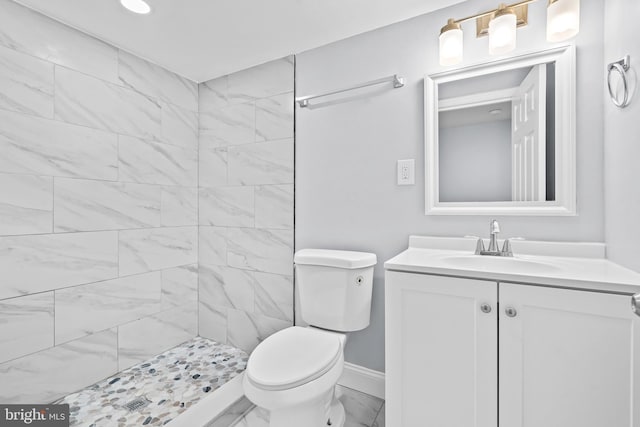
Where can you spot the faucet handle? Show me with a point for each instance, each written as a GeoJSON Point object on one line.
{"type": "Point", "coordinates": [506, 246]}
{"type": "Point", "coordinates": [479, 243]}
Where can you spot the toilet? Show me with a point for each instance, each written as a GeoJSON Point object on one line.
{"type": "Point", "coordinates": [293, 373]}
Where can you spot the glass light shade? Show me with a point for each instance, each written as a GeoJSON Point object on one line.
{"type": "Point", "coordinates": [502, 34]}
{"type": "Point", "coordinates": [451, 47]}
{"type": "Point", "coordinates": [563, 20]}
{"type": "Point", "coordinates": [136, 6]}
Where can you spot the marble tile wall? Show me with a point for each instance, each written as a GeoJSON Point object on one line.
{"type": "Point", "coordinates": [98, 207]}
{"type": "Point", "coordinates": [246, 204]}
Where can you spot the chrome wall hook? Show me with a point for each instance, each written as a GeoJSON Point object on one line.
{"type": "Point", "coordinates": [635, 304]}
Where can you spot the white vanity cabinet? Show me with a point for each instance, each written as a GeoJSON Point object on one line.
{"type": "Point", "coordinates": [467, 352]}
{"type": "Point", "coordinates": [441, 351]}
{"type": "Point", "coordinates": [567, 358]}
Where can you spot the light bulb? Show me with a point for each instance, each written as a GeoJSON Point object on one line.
{"type": "Point", "coordinates": [136, 6]}
{"type": "Point", "coordinates": [502, 32]}
{"type": "Point", "coordinates": [451, 45]}
{"type": "Point", "coordinates": [563, 20]}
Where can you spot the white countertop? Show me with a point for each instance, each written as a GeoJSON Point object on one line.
{"type": "Point", "coordinates": [570, 265]}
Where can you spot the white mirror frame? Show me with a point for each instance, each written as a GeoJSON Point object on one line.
{"type": "Point", "coordinates": [565, 137]}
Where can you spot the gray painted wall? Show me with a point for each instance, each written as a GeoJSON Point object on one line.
{"type": "Point", "coordinates": [475, 162]}
{"type": "Point", "coordinates": [622, 134]}
{"type": "Point", "coordinates": [346, 153]}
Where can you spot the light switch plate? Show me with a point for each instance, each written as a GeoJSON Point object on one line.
{"type": "Point", "coordinates": [406, 172]}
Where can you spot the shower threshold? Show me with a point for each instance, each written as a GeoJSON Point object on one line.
{"type": "Point", "coordinates": [158, 390]}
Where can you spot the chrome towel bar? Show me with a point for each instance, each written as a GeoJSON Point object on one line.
{"type": "Point", "coordinates": [397, 81]}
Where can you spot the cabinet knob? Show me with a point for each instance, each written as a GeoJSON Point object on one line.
{"type": "Point", "coordinates": [485, 308]}
{"type": "Point", "coordinates": [510, 312]}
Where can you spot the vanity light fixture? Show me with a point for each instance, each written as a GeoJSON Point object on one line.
{"type": "Point", "coordinates": [451, 43]}
{"type": "Point", "coordinates": [140, 7]}
{"type": "Point", "coordinates": [563, 22]}
{"type": "Point", "coordinates": [563, 19]}
{"type": "Point", "coordinates": [502, 31]}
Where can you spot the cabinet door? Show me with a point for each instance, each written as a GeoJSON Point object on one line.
{"type": "Point", "coordinates": [441, 350]}
{"type": "Point", "coordinates": [568, 358]}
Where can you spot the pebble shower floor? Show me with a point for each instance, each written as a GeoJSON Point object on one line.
{"type": "Point", "coordinates": [156, 391]}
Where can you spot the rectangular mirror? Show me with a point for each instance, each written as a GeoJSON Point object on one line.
{"type": "Point", "coordinates": [500, 137]}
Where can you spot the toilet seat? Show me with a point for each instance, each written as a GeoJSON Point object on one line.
{"type": "Point", "coordinates": [292, 357]}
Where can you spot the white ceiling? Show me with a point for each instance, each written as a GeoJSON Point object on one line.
{"type": "Point", "coordinates": [476, 115]}
{"type": "Point", "coordinates": [203, 39]}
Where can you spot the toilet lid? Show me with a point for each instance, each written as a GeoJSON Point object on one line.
{"type": "Point", "coordinates": [292, 357]}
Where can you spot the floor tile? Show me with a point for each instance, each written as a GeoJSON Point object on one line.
{"type": "Point", "coordinates": [257, 417]}
{"type": "Point", "coordinates": [361, 408]}
{"type": "Point", "coordinates": [379, 422]}
{"type": "Point", "coordinates": [233, 414]}
{"type": "Point", "coordinates": [361, 411]}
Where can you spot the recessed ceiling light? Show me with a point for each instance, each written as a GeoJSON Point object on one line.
{"type": "Point", "coordinates": [136, 6]}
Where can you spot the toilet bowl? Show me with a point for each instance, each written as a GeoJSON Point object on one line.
{"type": "Point", "coordinates": [293, 373]}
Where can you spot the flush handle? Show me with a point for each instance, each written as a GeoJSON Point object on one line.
{"type": "Point", "coordinates": [510, 312]}
{"type": "Point", "coordinates": [635, 304]}
{"type": "Point", "coordinates": [485, 308]}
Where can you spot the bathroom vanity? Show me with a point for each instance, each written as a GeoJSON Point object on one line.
{"type": "Point", "coordinates": [546, 338]}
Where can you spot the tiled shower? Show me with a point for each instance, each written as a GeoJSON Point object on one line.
{"type": "Point", "coordinates": [138, 209]}
{"type": "Point", "coordinates": [246, 204]}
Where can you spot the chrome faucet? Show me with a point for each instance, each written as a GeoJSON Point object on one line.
{"type": "Point", "coordinates": [494, 230]}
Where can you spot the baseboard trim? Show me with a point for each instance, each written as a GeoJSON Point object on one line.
{"type": "Point", "coordinates": [363, 379]}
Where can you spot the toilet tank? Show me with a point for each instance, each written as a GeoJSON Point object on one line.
{"type": "Point", "coordinates": [335, 288]}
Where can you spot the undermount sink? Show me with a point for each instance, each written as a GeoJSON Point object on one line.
{"type": "Point", "coordinates": [505, 264]}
